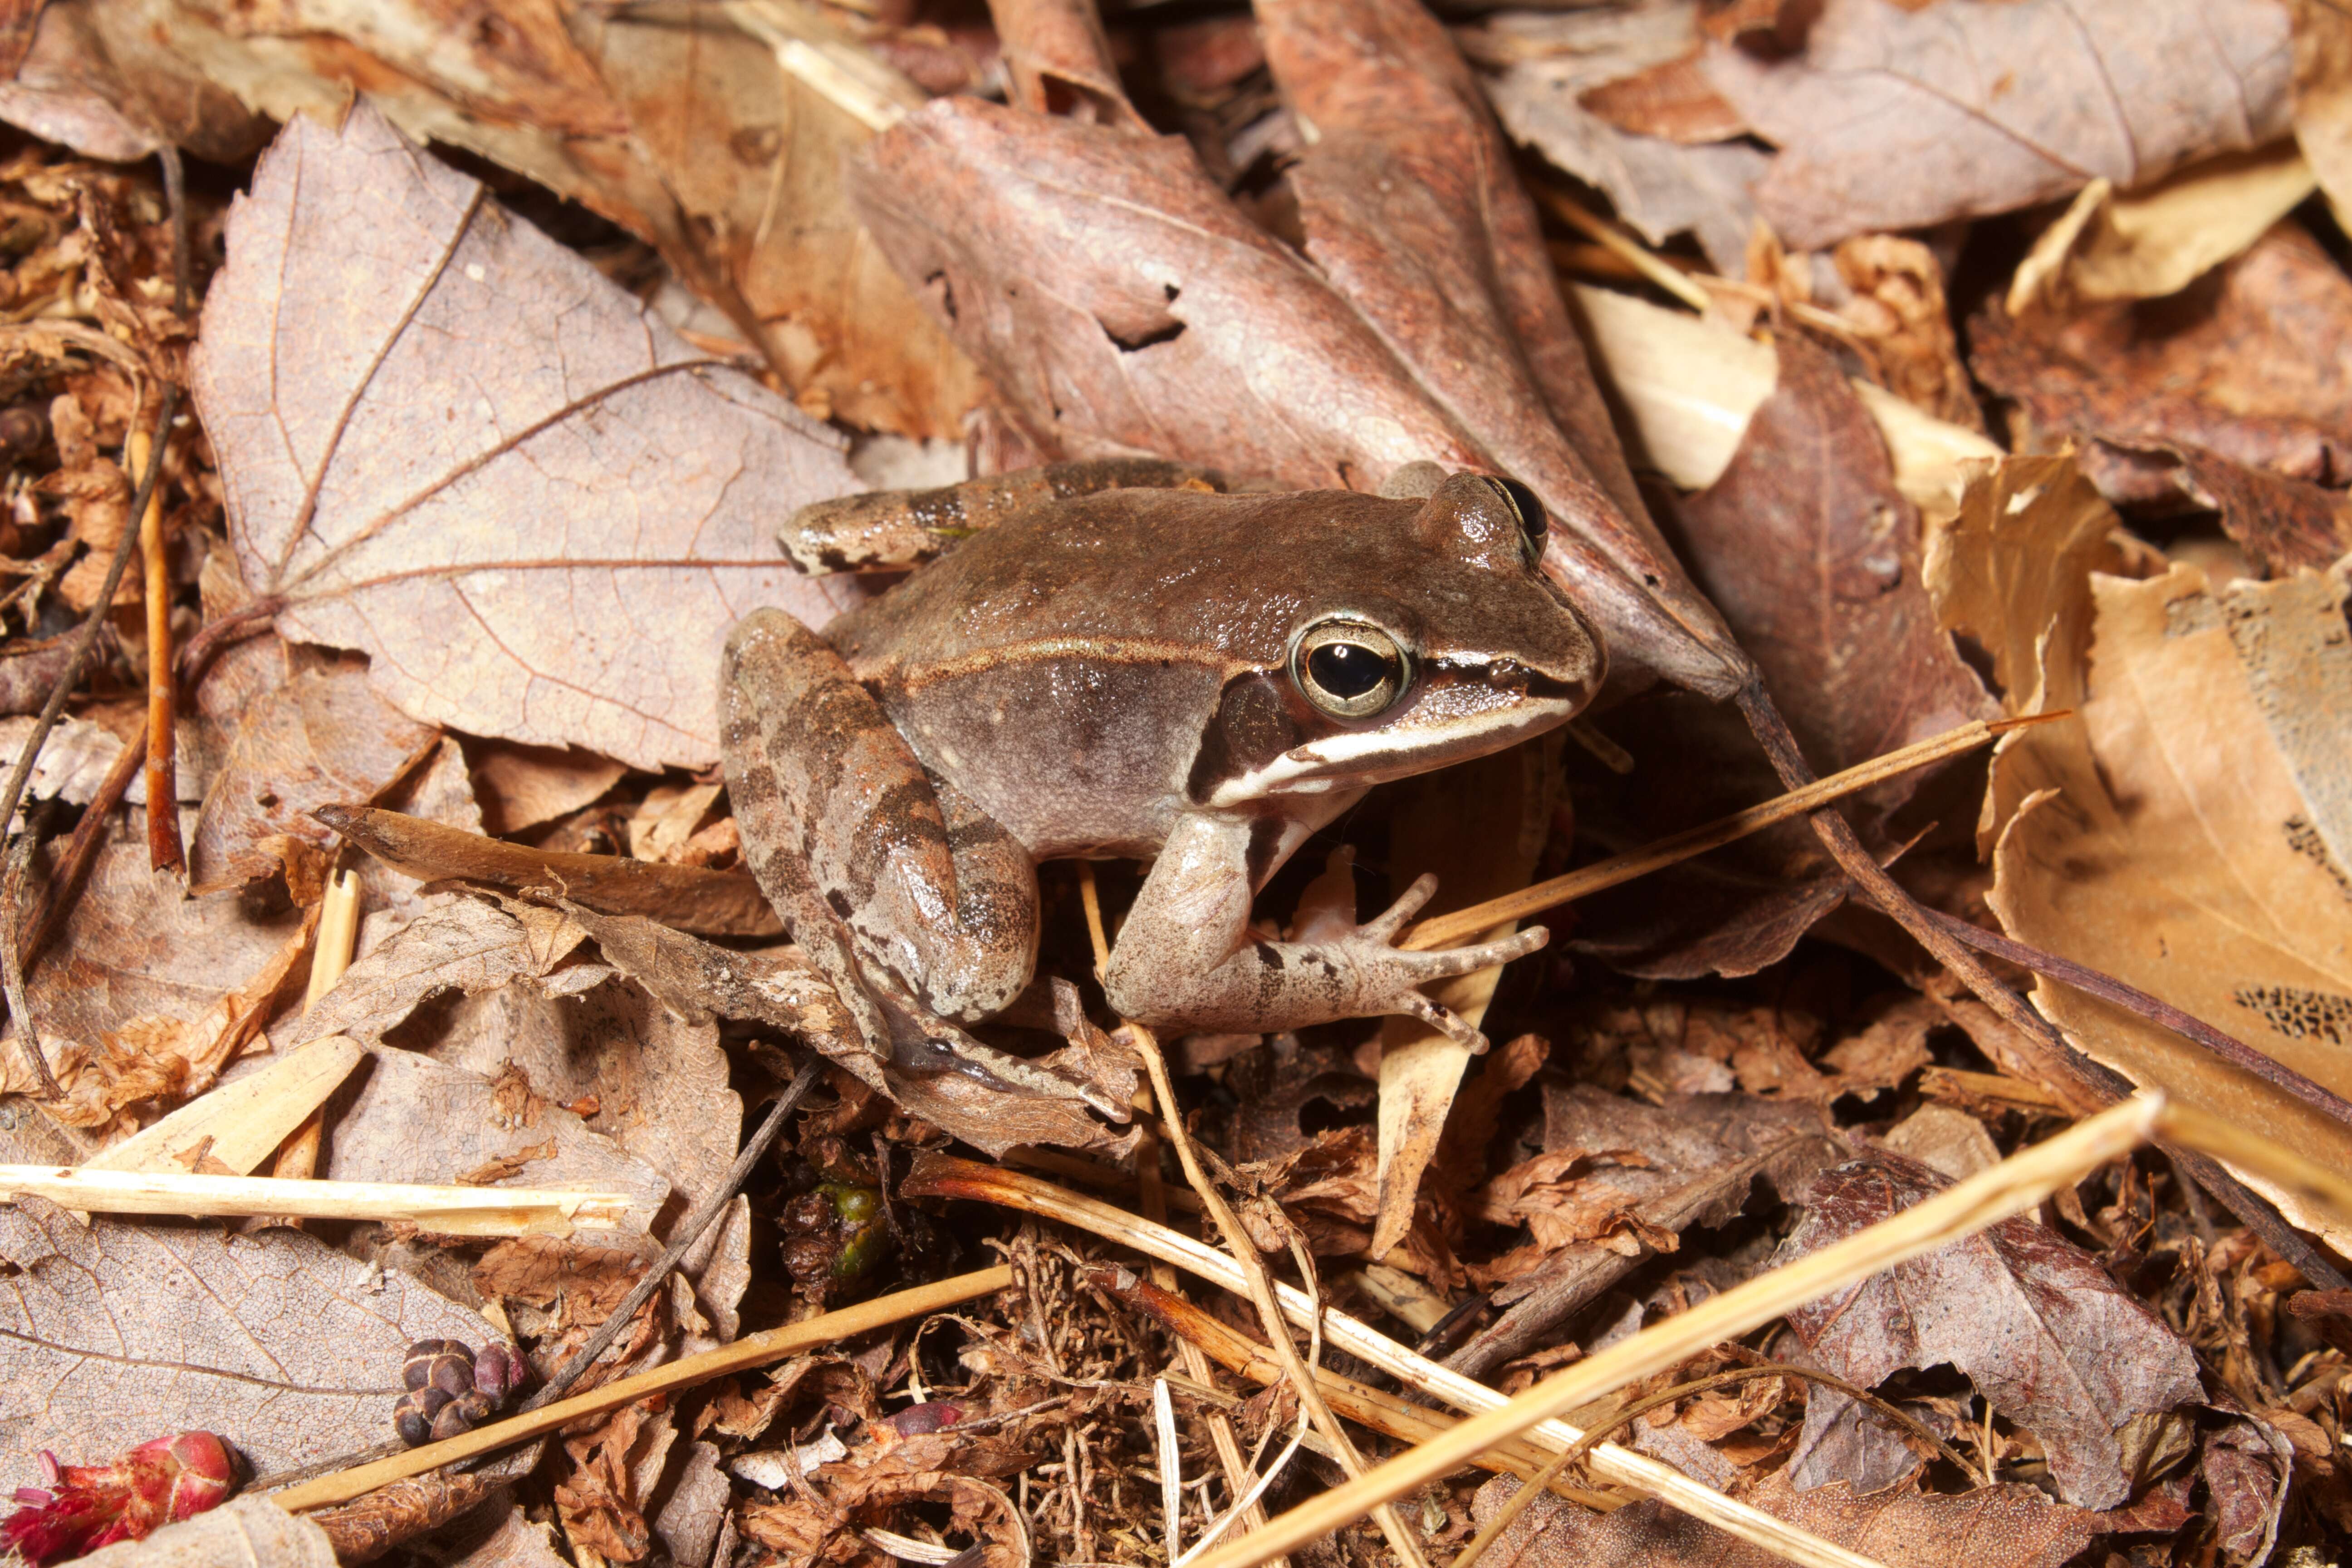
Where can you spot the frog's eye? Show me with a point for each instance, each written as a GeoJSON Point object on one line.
{"type": "Point", "coordinates": [1530, 512]}
{"type": "Point", "coordinates": [1349, 669]}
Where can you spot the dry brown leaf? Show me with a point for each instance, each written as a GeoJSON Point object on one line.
{"type": "Point", "coordinates": [324, 736]}
{"type": "Point", "coordinates": [1898, 116]}
{"type": "Point", "coordinates": [254, 1531]}
{"type": "Point", "coordinates": [1548, 65]}
{"type": "Point", "coordinates": [534, 505]}
{"type": "Point", "coordinates": [132, 948]}
{"type": "Point", "coordinates": [1690, 1161]}
{"type": "Point", "coordinates": [2253, 362]}
{"type": "Point", "coordinates": [522, 787]}
{"type": "Point", "coordinates": [2281, 523]}
{"type": "Point", "coordinates": [2015, 1526]}
{"type": "Point", "coordinates": [2035, 1322]}
{"type": "Point", "coordinates": [278, 1342]}
{"type": "Point", "coordinates": [402, 1117]}
{"type": "Point", "coordinates": [1211, 341]}
{"type": "Point", "coordinates": [468, 944]}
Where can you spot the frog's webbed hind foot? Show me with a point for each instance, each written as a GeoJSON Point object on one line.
{"type": "Point", "coordinates": [888, 530]}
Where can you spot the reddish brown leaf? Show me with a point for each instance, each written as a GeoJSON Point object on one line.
{"type": "Point", "coordinates": [2044, 1333]}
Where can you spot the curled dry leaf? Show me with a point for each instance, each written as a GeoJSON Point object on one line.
{"type": "Point", "coordinates": [449, 442]}
{"type": "Point", "coordinates": [458, 944]}
{"type": "Point", "coordinates": [290, 1349]}
{"type": "Point", "coordinates": [1123, 306]}
{"type": "Point", "coordinates": [2047, 1337]}
{"type": "Point", "coordinates": [1900, 116]}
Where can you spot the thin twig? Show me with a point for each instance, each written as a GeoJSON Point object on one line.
{"type": "Point", "coordinates": [11, 966]}
{"type": "Point", "coordinates": [73, 867]}
{"type": "Point", "coordinates": [164, 850]}
{"type": "Point", "coordinates": [2155, 1009]}
{"type": "Point", "coordinates": [689, 1231]}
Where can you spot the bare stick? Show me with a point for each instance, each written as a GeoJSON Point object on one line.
{"type": "Point", "coordinates": [164, 850]}
{"type": "Point", "coordinates": [2017, 1184]}
{"type": "Point", "coordinates": [1445, 931]}
{"type": "Point", "coordinates": [445, 1210]}
{"type": "Point", "coordinates": [937, 1176]}
{"type": "Point", "coordinates": [752, 1349]}
{"type": "Point", "coordinates": [73, 866]}
{"type": "Point", "coordinates": [689, 1231]}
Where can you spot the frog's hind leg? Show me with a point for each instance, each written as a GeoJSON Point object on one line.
{"type": "Point", "coordinates": [886, 530]}
{"type": "Point", "coordinates": [890, 884]}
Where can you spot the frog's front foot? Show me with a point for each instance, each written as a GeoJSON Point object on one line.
{"type": "Point", "coordinates": [1156, 977]}
{"type": "Point", "coordinates": [1408, 971]}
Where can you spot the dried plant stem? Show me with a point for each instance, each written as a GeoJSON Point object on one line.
{"type": "Point", "coordinates": [446, 1211]}
{"type": "Point", "coordinates": [942, 1176]}
{"type": "Point", "coordinates": [339, 931]}
{"type": "Point", "coordinates": [1448, 930]}
{"type": "Point", "coordinates": [1383, 1412]}
{"type": "Point", "coordinates": [1258, 1285]}
{"type": "Point", "coordinates": [2264, 1156]}
{"type": "Point", "coordinates": [2155, 1009]}
{"type": "Point", "coordinates": [752, 1349]}
{"type": "Point", "coordinates": [164, 850]}
{"type": "Point", "coordinates": [2010, 1187]}
{"type": "Point", "coordinates": [1622, 245]}
{"type": "Point", "coordinates": [13, 793]}
{"type": "Point", "coordinates": [689, 1231]}
{"type": "Point", "coordinates": [73, 866]}
{"type": "Point", "coordinates": [18, 870]}
{"type": "Point", "coordinates": [1519, 1501]}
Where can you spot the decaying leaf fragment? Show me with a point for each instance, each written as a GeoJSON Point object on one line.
{"type": "Point", "coordinates": [2046, 1334]}
{"type": "Point", "coordinates": [450, 442]}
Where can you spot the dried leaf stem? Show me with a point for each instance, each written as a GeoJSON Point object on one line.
{"type": "Point", "coordinates": [2010, 1187]}
{"type": "Point", "coordinates": [1800, 801]}
{"type": "Point", "coordinates": [1519, 1501]}
{"type": "Point", "coordinates": [164, 850]}
{"type": "Point", "coordinates": [752, 1349]}
{"type": "Point", "coordinates": [944, 1176]}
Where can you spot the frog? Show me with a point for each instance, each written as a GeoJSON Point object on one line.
{"type": "Point", "coordinates": [1127, 660]}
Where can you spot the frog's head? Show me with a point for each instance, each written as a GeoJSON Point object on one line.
{"type": "Point", "coordinates": [1428, 636]}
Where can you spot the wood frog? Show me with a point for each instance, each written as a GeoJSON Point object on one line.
{"type": "Point", "coordinates": [1100, 668]}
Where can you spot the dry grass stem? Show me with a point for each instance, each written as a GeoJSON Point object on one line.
{"type": "Point", "coordinates": [1622, 245]}
{"type": "Point", "coordinates": [1446, 931]}
{"type": "Point", "coordinates": [2264, 1157]}
{"type": "Point", "coordinates": [165, 849]}
{"type": "Point", "coordinates": [752, 1349]}
{"type": "Point", "coordinates": [2017, 1184]}
{"type": "Point", "coordinates": [444, 1211]}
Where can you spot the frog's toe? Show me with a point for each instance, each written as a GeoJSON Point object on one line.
{"type": "Point", "coordinates": [1445, 1020]}
{"type": "Point", "coordinates": [1409, 903]}
{"type": "Point", "coordinates": [1448, 961]}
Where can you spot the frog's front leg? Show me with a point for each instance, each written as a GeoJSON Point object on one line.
{"type": "Point", "coordinates": [1187, 957]}
{"type": "Point", "coordinates": [902, 892]}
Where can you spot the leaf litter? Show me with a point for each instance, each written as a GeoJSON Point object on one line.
{"type": "Point", "coordinates": [478, 479]}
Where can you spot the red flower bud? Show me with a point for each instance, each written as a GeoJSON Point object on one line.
{"type": "Point", "coordinates": [84, 1507]}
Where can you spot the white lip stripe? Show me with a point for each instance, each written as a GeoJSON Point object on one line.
{"type": "Point", "coordinates": [1317, 766]}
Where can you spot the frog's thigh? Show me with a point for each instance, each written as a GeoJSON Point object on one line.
{"type": "Point", "coordinates": [850, 828]}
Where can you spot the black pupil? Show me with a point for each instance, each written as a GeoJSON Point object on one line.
{"type": "Point", "coordinates": [1346, 669]}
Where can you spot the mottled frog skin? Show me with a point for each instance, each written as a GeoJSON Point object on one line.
{"type": "Point", "coordinates": [1176, 675]}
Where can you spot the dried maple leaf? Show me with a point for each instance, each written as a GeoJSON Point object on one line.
{"type": "Point", "coordinates": [2035, 1323]}
{"type": "Point", "coordinates": [1895, 116]}
{"type": "Point", "coordinates": [530, 503]}
{"type": "Point", "coordinates": [289, 1350]}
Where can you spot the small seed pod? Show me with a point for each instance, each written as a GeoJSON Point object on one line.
{"type": "Point", "coordinates": [445, 1365]}
{"type": "Point", "coordinates": [415, 1417]}
{"type": "Point", "coordinates": [498, 1371]}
